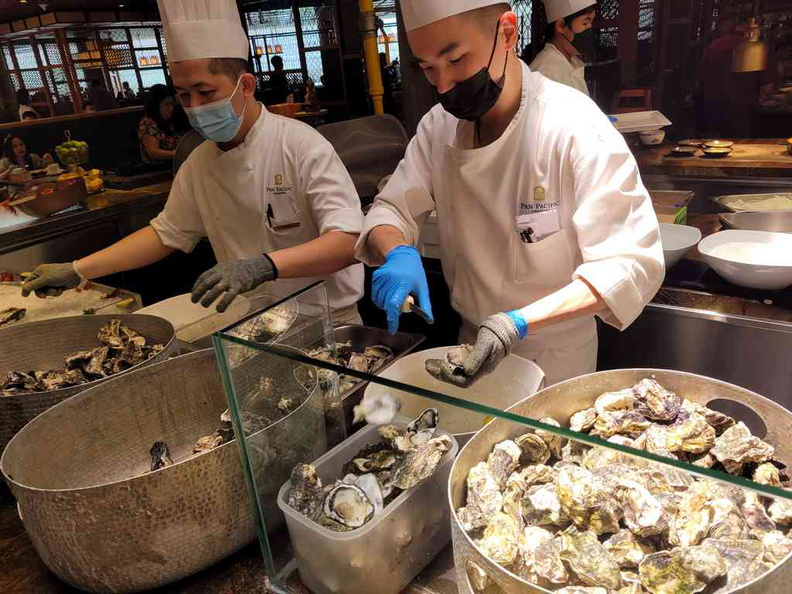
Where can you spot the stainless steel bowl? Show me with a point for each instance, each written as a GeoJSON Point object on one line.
{"type": "Point", "coordinates": [102, 523]}
{"type": "Point", "coordinates": [560, 402]}
{"type": "Point", "coordinates": [43, 345]}
{"type": "Point", "coordinates": [776, 222]}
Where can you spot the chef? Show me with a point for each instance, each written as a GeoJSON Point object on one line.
{"type": "Point", "coordinates": [544, 220]}
{"type": "Point", "coordinates": [269, 192]}
{"type": "Point", "coordinates": [568, 35]}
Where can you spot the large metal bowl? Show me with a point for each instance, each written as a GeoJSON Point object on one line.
{"type": "Point", "coordinates": [101, 522]}
{"type": "Point", "coordinates": [564, 399]}
{"type": "Point", "coordinates": [44, 345]}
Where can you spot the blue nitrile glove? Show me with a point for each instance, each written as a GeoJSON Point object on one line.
{"type": "Point", "coordinates": [402, 275]}
{"type": "Point", "coordinates": [497, 336]}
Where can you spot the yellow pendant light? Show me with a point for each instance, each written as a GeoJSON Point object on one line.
{"type": "Point", "coordinates": [751, 54]}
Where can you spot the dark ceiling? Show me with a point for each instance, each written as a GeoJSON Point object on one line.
{"type": "Point", "coordinates": [13, 10]}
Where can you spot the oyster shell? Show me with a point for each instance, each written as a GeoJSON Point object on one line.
{"type": "Point", "coordinates": [395, 438]}
{"type": "Point", "coordinates": [655, 402]}
{"type": "Point", "coordinates": [501, 539]}
{"type": "Point", "coordinates": [450, 369]}
{"type": "Point", "coordinates": [726, 519]}
{"type": "Point", "coordinates": [377, 410]}
{"type": "Point", "coordinates": [553, 442]}
{"type": "Point", "coordinates": [358, 362]}
{"type": "Point", "coordinates": [306, 494]}
{"type": "Point", "coordinates": [736, 446]}
{"type": "Point", "coordinates": [534, 449]}
{"type": "Point", "coordinates": [110, 335]}
{"type": "Point", "coordinates": [777, 546]}
{"type": "Point", "coordinates": [627, 550]}
{"type": "Point", "coordinates": [536, 474]}
{"type": "Point", "coordinates": [369, 484]}
{"type": "Point", "coordinates": [477, 576]}
{"type": "Point", "coordinates": [584, 498]}
{"type": "Point", "coordinates": [378, 356]}
{"type": "Point", "coordinates": [620, 421]}
{"type": "Point", "coordinates": [583, 420]}
{"type": "Point", "coordinates": [644, 515]}
{"type": "Point", "coordinates": [12, 314]}
{"type": "Point", "coordinates": [484, 499]}
{"type": "Point", "coordinates": [744, 559]}
{"type": "Point", "coordinates": [685, 570]}
{"type": "Point", "coordinates": [573, 452]}
{"type": "Point", "coordinates": [780, 511]}
{"type": "Point", "coordinates": [428, 419]}
{"type": "Point", "coordinates": [208, 443]}
{"type": "Point", "coordinates": [547, 563]}
{"type": "Point", "coordinates": [516, 486]}
{"type": "Point", "coordinates": [692, 434]}
{"type": "Point", "coordinates": [541, 507]}
{"type": "Point", "coordinates": [503, 460]}
{"type": "Point", "coordinates": [753, 510]}
{"type": "Point", "coordinates": [694, 516]}
{"type": "Point", "coordinates": [348, 505]}
{"type": "Point", "coordinates": [613, 401]}
{"type": "Point", "coordinates": [420, 462]}
{"type": "Point", "coordinates": [589, 560]}
{"type": "Point", "coordinates": [160, 455]}
{"type": "Point", "coordinates": [767, 474]}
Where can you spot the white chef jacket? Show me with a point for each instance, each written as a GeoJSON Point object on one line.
{"type": "Point", "coordinates": [555, 66]}
{"type": "Point", "coordinates": [560, 174]}
{"type": "Point", "coordinates": [282, 187]}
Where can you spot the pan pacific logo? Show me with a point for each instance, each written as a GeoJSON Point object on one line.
{"type": "Point", "coordinates": [539, 194]}
{"type": "Point", "coordinates": [278, 179]}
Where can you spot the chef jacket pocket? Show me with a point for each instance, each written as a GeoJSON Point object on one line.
{"type": "Point", "coordinates": [548, 263]}
{"type": "Point", "coordinates": [537, 226]}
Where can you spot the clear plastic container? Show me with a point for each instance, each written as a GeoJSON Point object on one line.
{"type": "Point", "coordinates": [386, 554]}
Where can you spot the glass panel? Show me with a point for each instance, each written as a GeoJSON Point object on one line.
{"type": "Point", "coordinates": [152, 76]}
{"type": "Point", "coordinates": [25, 56]}
{"type": "Point", "coordinates": [128, 76]}
{"type": "Point", "coordinates": [119, 56]}
{"type": "Point", "coordinates": [143, 38]}
{"type": "Point", "coordinates": [7, 58]}
{"type": "Point", "coordinates": [147, 58]}
{"type": "Point", "coordinates": [653, 475]}
{"type": "Point", "coordinates": [50, 53]}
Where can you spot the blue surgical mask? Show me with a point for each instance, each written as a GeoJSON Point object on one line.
{"type": "Point", "coordinates": [217, 121]}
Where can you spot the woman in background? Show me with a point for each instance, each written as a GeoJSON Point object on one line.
{"type": "Point", "coordinates": [157, 129]}
{"type": "Point", "coordinates": [15, 154]}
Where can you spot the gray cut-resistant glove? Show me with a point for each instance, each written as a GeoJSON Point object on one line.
{"type": "Point", "coordinates": [232, 278]}
{"type": "Point", "coordinates": [51, 280]}
{"type": "Point", "coordinates": [497, 336]}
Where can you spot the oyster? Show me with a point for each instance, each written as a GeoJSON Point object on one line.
{"type": "Point", "coordinates": [780, 511]}
{"type": "Point", "coordinates": [160, 455]}
{"type": "Point", "coordinates": [208, 443]}
{"type": "Point", "coordinates": [547, 563]}
{"type": "Point", "coordinates": [451, 368]}
{"type": "Point", "coordinates": [541, 507]}
{"type": "Point", "coordinates": [692, 434]}
{"type": "Point", "coordinates": [627, 549]}
{"type": "Point", "coordinates": [753, 510]}
{"type": "Point", "coordinates": [503, 460]}
{"type": "Point", "coordinates": [612, 401]}
{"type": "Point", "coordinates": [703, 460]}
{"type": "Point", "coordinates": [583, 420]}
{"type": "Point", "coordinates": [554, 442]}
{"type": "Point", "coordinates": [420, 462]}
{"type": "Point", "coordinates": [484, 499]}
{"type": "Point", "coordinates": [726, 519]}
{"type": "Point", "coordinates": [655, 402]}
{"type": "Point", "coordinates": [110, 335]}
{"type": "Point", "coordinates": [767, 474]}
{"type": "Point", "coordinates": [744, 559]}
{"type": "Point", "coordinates": [694, 516]}
{"type": "Point", "coordinates": [620, 421]}
{"type": "Point", "coordinates": [536, 474]}
{"type": "Point", "coordinates": [586, 501]}
{"type": "Point", "coordinates": [378, 356]}
{"type": "Point", "coordinates": [644, 515]}
{"type": "Point", "coordinates": [573, 452]}
{"type": "Point", "coordinates": [395, 438]}
{"type": "Point", "coordinates": [306, 494]}
{"type": "Point", "coordinates": [736, 446]}
{"type": "Point", "coordinates": [358, 362]}
{"type": "Point", "coordinates": [589, 560]}
{"type": "Point", "coordinates": [348, 505]}
{"type": "Point", "coordinates": [12, 314]}
{"type": "Point", "coordinates": [501, 539]}
{"type": "Point", "coordinates": [377, 410]}
{"type": "Point", "coordinates": [478, 577]}
{"type": "Point", "coordinates": [686, 570]}
{"type": "Point", "coordinates": [369, 484]}
{"type": "Point", "coordinates": [428, 419]}
{"type": "Point", "coordinates": [534, 449]}
{"type": "Point", "coordinates": [513, 496]}
{"type": "Point", "coordinates": [601, 457]}
{"type": "Point", "coordinates": [777, 546]}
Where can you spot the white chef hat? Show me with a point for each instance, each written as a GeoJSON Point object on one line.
{"type": "Point", "coordinates": [559, 9]}
{"type": "Point", "coordinates": [197, 29]}
{"type": "Point", "coordinates": [419, 13]}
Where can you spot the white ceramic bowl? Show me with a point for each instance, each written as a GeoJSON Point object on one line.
{"type": "Point", "coordinates": [653, 137]}
{"type": "Point", "coordinates": [752, 259]}
{"type": "Point", "coordinates": [514, 380]}
{"type": "Point", "coordinates": [677, 241]}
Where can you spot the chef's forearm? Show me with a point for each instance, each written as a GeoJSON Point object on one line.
{"type": "Point", "coordinates": [576, 300]}
{"type": "Point", "coordinates": [384, 238]}
{"type": "Point", "coordinates": [136, 251]}
{"type": "Point", "coordinates": [322, 256]}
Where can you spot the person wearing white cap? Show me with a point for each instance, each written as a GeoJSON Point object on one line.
{"type": "Point", "coordinates": [544, 220]}
{"type": "Point", "coordinates": [269, 192]}
{"type": "Point", "coordinates": [568, 35]}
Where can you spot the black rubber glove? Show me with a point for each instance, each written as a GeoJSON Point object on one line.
{"type": "Point", "coordinates": [51, 280]}
{"type": "Point", "coordinates": [232, 278]}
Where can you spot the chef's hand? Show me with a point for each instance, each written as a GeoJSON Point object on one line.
{"type": "Point", "coordinates": [497, 336]}
{"type": "Point", "coordinates": [232, 278]}
{"type": "Point", "coordinates": [402, 275]}
{"type": "Point", "coordinates": [51, 280]}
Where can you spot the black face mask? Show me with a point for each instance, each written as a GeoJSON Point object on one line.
{"type": "Point", "coordinates": [474, 97]}
{"type": "Point", "coordinates": [584, 42]}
